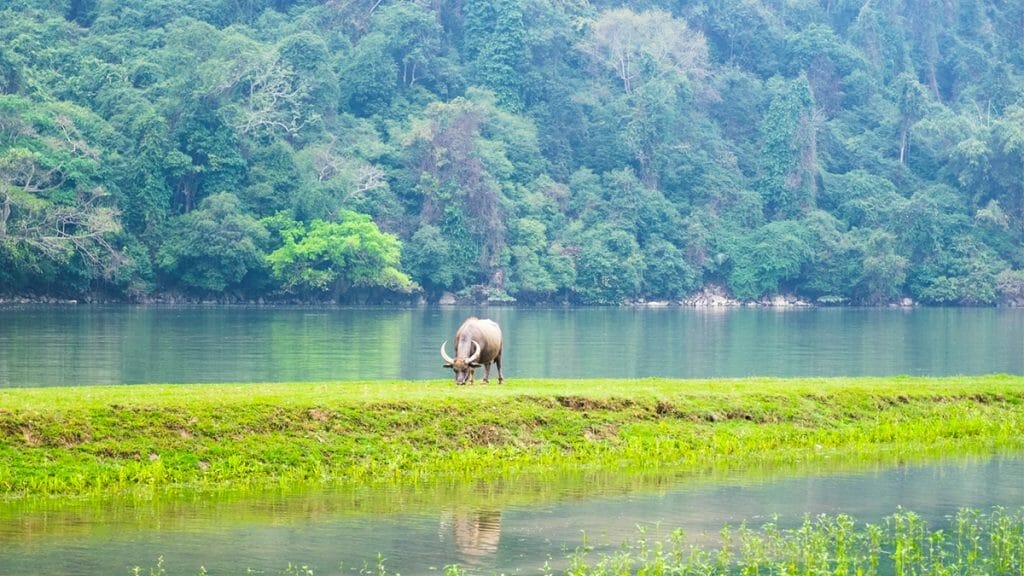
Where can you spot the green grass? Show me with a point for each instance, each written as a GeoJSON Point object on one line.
{"type": "Point", "coordinates": [90, 440]}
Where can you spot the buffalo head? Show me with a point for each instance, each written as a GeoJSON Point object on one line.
{"type": "Point", "coordinates": [462, 367]}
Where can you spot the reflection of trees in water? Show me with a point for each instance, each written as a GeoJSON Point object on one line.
{"type": "Point", "coordinates": [475, 533]}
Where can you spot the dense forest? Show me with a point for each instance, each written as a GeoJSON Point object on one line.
{"type": "Point", "coordinates": [581, 151]}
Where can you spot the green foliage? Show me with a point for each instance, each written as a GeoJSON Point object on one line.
{"type": "Point", "coordinates": [609, 266]}
{"type": "Point", "coordinates": [787, 171]}
{"type": "Point", "coordinates": [529, 272]}
{"type": "Point", "coordinates": [964, 273]}
{"type": "Point", "coordinates": [768, 259]}
{"type": "Point", "coordinates": [543, 151]}
{"type": "Point", "coordinates": [429, 257]}
{"type": "Point", "coordinates": [370, 77]}
{"type": "Point", "coordinates": [336, 256]}
{"type": "Point", "coordinates": [57, 225]}
{"type": "Point", "coordinates": [883, 270]}
{"type": "Point", "coordinates": [213, 248]}
{"type": "Point", "coordinates": [494, 44]}
{"type": "Point", "coordinates": [666, 273]}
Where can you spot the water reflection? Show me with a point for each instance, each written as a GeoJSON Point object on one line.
{"type": "Point", "coordinates": [511, 527]}
{"type": "Point", "coordinates": [475, 533]}
{"type": "Point", "coordinates": [53, 345]}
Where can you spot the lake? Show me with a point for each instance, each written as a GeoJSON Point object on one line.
{"type": "Point", "coordinates": [83, 345]}
{"type": "Point", "coordinates": [510, 527]}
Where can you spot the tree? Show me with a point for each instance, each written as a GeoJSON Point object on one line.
{"type": "Point", "coordinates": [150, 169]}
{"type": "Point", "coordinates": [494, 43]}
{"type": "Point", "coordinates": [414, 40]}
{"type": "Point", "coordinates": [666, 273]}
{"type": "Point", "coordinates": [962, 273]}
{"type": "Point", "coordinates": [465, 161]}
{"type": "Point", "coordinates": [768, 259]}
{"type": "Point", "coordinates": [215, 247]}
{"type": "Point", "coordinates": [432, 263]}
{"type": "Point", "coordinates": [52, 203]}
{"type": "Point", "coordinates": [884, 271]}
{"type": "Point", "coordinates": [1008, 164]}
{"type": "Point", "coordinates": [369, 76]}
{"type": "Point", "coordinates": [529, 268]}
{"type": "Point", "coordinates": [1010, 284]}
{"type": "Point", "coordinates": [334, 177]}
{"type": "Point", "coordinates": [835, 262]}
{"type": "Point", "coordinates": [744, 33]}
{"type": "Point", "coordinates": [825, 59]}
{"type": "Point", "coordinates": [209, 158]}
{"type": "Point", "coordinates": [860, 198]}
{"type": "Point", "coordinates": [912, 99]}
{"type": "Point", "coordinates": [609, 267]}
{"type": "Point", "coordinates": [263, 93]}
{"type": "Point", "coordinates": [788, 179]}
{"type": "Point", "coordinates": [641, 47]}
{"type": "Point", "coordinates": [335, 257]}
{"type": "Point", "coordinates": [929, 221]}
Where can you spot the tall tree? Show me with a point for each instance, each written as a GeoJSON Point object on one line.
{"type": "Point", "coordinates": [494, 42]}
{"type": "Point", "coordinates": [912, 100]}
{"type": "Point", "coordinates": [789, 165]}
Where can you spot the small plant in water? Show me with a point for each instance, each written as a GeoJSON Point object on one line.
{"type": "Point", "coordinates": [454, 570]}
{"type": "Point", "coordinates": [157, 570]}
{"type": "Point", "coordinates": [903, 545]}
{"type": "Point", "coordinates": [294, 570]}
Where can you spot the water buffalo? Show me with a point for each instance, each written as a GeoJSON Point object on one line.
{"type": "Point", "coordinates": [477, 343]}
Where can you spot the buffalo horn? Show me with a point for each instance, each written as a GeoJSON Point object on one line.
{"type": "Point", "coordinates": [444, 355]}
{"type": "Point", "coordinates": [472, 358]}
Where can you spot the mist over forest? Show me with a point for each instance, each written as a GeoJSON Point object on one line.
{"type": "Point", "coordinates": [858, 152]}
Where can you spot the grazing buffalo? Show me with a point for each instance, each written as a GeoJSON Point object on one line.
{"type": "Point", "coordinates": [477, 343]}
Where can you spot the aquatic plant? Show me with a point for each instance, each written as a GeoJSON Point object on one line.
{"type": "Point", "coordinates": [903, 544]}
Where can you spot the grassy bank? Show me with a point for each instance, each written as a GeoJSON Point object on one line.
{"type": "Point", "coordinates": [73, 441]}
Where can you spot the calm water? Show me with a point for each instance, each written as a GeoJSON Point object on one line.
{"type": "Point", "coordinates": [75, 345]}
{"type": "Point", "coordinates": [509, 529]}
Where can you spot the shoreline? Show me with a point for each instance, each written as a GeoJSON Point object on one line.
{"type": "Point", "coordinates": [703, 300]}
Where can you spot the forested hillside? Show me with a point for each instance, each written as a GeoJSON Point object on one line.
{"type": "Point", "coordinates": [593, 152]}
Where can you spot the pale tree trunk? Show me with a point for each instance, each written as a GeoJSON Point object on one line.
{"type": "Point", "coordinates": [5, 213]}
{"type": "Point", "coordinates": [904, 138]}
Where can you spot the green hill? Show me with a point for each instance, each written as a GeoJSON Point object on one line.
{"type": "Point", "coordinates": [503, 150]}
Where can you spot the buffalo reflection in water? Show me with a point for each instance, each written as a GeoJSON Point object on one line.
{"type": "Point", "coordinates": [475, 534]}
